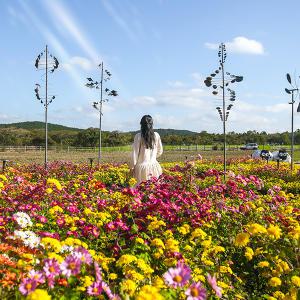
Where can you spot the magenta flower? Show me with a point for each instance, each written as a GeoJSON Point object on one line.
{"type": "Point", "coordinates": [196, 291]}
{"type": "Point", "coordinates": [27, 286]}
{"type": "Point", "coordinates": [179, 276]}
{"type": "Point", "coordinates": [83, 254]}
{"type": "Point", "coordinates": [38, 276]}
{"type": "Point", "coordinates": [213, 283]}
{"type": "Point", "coordinates": [95, 289]}
{"type": "Point", "coordinates": [51, 267]}
{"type": "Point", "coordinates": [98, 272]}
{"type": "Point", "coordinates": [70, 266]}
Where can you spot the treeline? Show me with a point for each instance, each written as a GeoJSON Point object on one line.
{"type": "Point", "coordinates": [89, 137]}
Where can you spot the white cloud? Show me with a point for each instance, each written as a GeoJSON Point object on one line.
{"type": "Point", "coordinates": [241, 45]}
{"type": "Point", "coordinates": [119, 19]}
{"type": "Point", "coordinates": [62, 17]}
{"type": "Point", "coordinates": [175, 84]}
{"type": "Point", "coordinates": [79, 61]}
{"type": "Point", "coordinates": [145, 101]}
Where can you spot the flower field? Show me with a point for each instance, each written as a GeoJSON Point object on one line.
{"type": "Point", "coordinates": [73, 232]}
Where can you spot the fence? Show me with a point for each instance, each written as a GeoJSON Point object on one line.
{"type": "Point", "coordinates": [22, 149]}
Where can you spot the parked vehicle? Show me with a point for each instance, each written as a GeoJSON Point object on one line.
{"type": "Point", "coordinates": [250, 146]}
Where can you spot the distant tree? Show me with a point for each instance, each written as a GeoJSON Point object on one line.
{"type": "Point", "coordinates": [87, 138]}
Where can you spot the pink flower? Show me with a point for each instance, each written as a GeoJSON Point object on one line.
{"type": "Point", "coordinates": [98, 272]}
{"type": "Point", "coordinates": [179, 276]}
{"type": "Point", "coordinates": [27, 286]}
{"type": "Point", "coordinates": [83, 254]}
{"type": "Point", "coordinates": [51, 267]}
{"type": "Point", "coordinates": [213, 283]}
{"type": "Point", "coordinates": [95, 289]}
{"type": "Point", "coordinates": [70, 266]}
{"type": "Point", "coordinates": [196, 292]}
{"type": "Point", "coordinates": [37, 276]}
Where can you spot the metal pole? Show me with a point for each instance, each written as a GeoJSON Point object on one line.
{"type": "Point", "coordinates": [292, 149]}
{"type": "Point", "coordinates": [46, 111]}
{"type": "Point", "coordinates": [224, 120]}
{"type": "Point", "coordinates": [100, 114]}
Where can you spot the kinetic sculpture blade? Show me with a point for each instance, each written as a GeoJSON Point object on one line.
{"type": "Point", "coordinates": [47, 63]}
{"type": "Point", "coordinates": [219, 81]}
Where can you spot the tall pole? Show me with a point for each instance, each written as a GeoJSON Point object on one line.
{"type": "Point", "coordinates": [292, 148]}
{"type": "Point", "coordinates": [100, 114]}
{"type": "Point", "coordinates": [224, 115]}
{"type": "Point", "coordinates": [46, 111]}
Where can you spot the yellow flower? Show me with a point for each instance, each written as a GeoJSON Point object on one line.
{"type": "Point", "coordinates": [87, 281]}
{"type": "Point", "coordinates": [170, 262]}
{"type": "Point", "coordinates": [198, 233]}
{"type": "Point", "coordinates": [59, 258]}
{"type": "Point", "coordinates": [51, 243]}
{"type": "Point", "coordinates": [218, 249]}
{"type": "Point", "coordinates": [275, 281]}
{"type": "Point", "coordinates": [149, 292]}
{"type": "Point", "coordinates": [206, 243]}
{"type": "Point", "coordinates": [223, 285]}
{"type": "Point", "coordinates": [274, 232]}
{"type": "Point", "coordinates": [132, 274]}
{"type": "Point", "coordinates": [154, 225]}
{"type": "Point", "coordinates": [132, 181]}
{"type": "Point", "coordinates": [140, 240]}
{"type": "Point", "coordinates": [3, 177]}
{"type": "Point", "coordinates": [256, 228]}
{"type": "Point", "coordinates": [39, 294]}
{"type": "Point", "coordinates": [158, 243]}
{"type": "Point", "coordinates": [249, 253]}
{"type": "Point", "coordinates": [158, 282]}
{"type": "Point", "coordinates": [295, 233]}
{"type": "Point", "coordinates": [242, 239]}
{"type": "Point", "coordinates": [172, 245]}
{"type": "Point", "coordinates": [263, 264]}
{"type": "Point", "coordinates": [128, 286]}
{"type": "Point", "coordinates": [112, 276]}
{"type": "Point", "coordinates": [55, 182]}
{"type": "Point", "coordinates": [278, 295]}
{"type": "Point", "coordinates": [48, 190]}
{"type": "Point", "coordinates": [126, 259]}
{"type": "Point", "coordinates": [144, 267]}
{"type": "Point", "coordinates": [296, 280]}
{"type": "Point", "coordinates": [185, 229]}
{"type": "Point", "coordinates": [168, 233]}
{"type": "Point", "coordinates": [225, 269]}
{"type": "Point", "coordinates": [188, 248]}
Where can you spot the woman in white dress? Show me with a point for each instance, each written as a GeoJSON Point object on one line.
{"type": "Point", "coordinates": [145, 149]}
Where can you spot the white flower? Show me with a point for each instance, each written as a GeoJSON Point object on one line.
{"type": "Point", "coordinates": [29, 238]}
{"type": "Point", "coordinates": [22, 219]}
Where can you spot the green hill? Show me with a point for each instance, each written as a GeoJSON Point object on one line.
{"type": "Point", "coordinates": [38, 125]}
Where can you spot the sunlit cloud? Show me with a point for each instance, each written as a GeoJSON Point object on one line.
{"type": "Point", "coordinates": [58, 48]}
{"type": "Point", "coordinates": [78, 61]}
{"type": "Point", "coordinates": [241, 45]}
{"type": "Point", "coordinates": [62, 16]}
{"type": "Point", "coordinates": [118, 18]}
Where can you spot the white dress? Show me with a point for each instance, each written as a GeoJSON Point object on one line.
{"type": "Point", "coordinates": [144, 160]}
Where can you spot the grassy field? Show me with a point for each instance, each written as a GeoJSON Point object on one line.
{"type": "Point", "coordinates": [117, 156]}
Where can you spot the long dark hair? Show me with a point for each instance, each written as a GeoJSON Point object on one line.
{"type": "Point", "coordinates": [147, 131]}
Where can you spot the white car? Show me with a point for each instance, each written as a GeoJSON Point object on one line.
{"type": "Point", "coordinates": [250, 146]}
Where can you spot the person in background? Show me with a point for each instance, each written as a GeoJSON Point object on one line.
{"type": "Point", "coordinates": [146, 148]}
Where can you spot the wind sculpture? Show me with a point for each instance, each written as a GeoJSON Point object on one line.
{"type": "Point", "coordinates": [219, 81]}
{"type": "Point", "coordinates": [291, 91]}
{"type": "Point", "coordinates": [98, 105]}
{"type": "Point", "coordinates": [47, 63]}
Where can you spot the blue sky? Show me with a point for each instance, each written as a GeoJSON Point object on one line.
{"type": "Point", "coordinates": [159, 52]}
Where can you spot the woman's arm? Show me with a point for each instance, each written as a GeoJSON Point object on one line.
{"type": "Point", "coordinates": [135, 150]}
{"type": "Point", "coordinates": [159, 145]}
